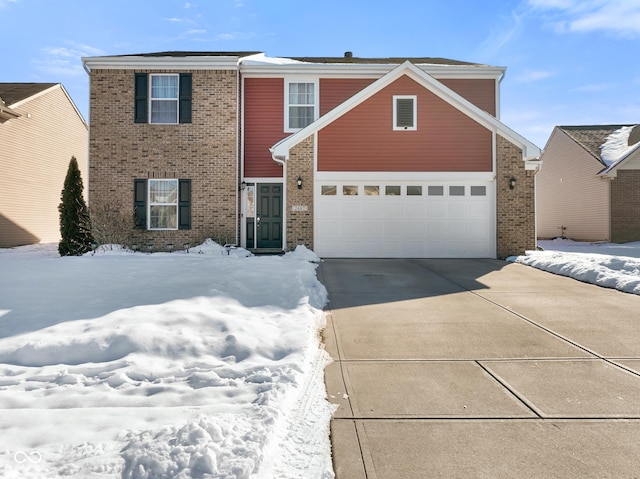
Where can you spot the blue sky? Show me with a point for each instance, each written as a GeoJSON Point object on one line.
{"type": "Point", "coordinates": [569, 62]}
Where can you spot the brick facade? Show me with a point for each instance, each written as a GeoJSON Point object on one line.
{"type": "Point", "coordinates": [300, 223]}
{"type": "Point", "coordinates": [515, 208]}
{"type": "Point", "coordinates": [204, 151]}
{"type": "Point", "coordinates": [625, 206]}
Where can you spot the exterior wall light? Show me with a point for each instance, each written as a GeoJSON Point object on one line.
{"type": "Point", "coordinates": [512, 183]}
{"type": "Point", "coordinates": [299, 182]}
{"type": "Point", "coordinates": [243, 185]}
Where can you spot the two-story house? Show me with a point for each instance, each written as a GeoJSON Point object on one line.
{"type": "Point", "coordinates": [352, 157]}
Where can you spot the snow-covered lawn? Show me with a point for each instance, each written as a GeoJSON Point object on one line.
{"type": "Point", "coordinates": [133, 365]}
{"type": "Point", "coordinates": [605, 264]}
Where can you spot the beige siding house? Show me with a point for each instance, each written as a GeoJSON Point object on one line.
{"type": "Point", "coordinates": [589, 186]}
{"type": "Point", "coordinates": [40, 130]}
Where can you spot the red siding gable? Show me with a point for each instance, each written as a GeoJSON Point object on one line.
{"type": "Point", "coordinates": [263, 125]}
{"type": "Point", "coordinates": [334, 91]}
{"type": "Point", "coordinates": [482, 93]}
{"type": "Point", "coordinates": [445, 140]}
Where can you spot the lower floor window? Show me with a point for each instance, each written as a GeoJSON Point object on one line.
{"type": "Point", "coordinates": [162, 204]}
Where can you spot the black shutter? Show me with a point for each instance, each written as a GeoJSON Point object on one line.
{"type": "Point", "coordinates": [141, 87]}
{"type": "Point", "coordinates": [185, 98]}
{"type": "Point", "coordinates": [140, 203]}
{"type": "Point", "coordinates": [184, 204]}
{"type": "Point", "coordinates": [404, 113]}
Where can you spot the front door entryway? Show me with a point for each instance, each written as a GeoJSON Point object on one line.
{"type": "Point", "coordinates": [269, 216]}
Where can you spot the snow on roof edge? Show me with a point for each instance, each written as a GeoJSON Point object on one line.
{"type": "Point", "coordinates": [616, 146]}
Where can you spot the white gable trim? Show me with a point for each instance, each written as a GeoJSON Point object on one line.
{"type": "Point", "coordinates": [280, 151]}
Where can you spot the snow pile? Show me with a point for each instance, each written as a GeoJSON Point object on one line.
{"type": "Point", "coordinates": [135, 365]}
{"type": "Point", "coordinates": [605, 264]}
{"type": "Point", "coordinates": [616, 145]}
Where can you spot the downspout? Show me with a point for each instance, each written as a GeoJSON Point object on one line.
{"type": "Point", "coordinates": [239, 143]}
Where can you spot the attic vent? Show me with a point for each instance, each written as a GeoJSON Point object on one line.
{"type": "Point", "coordinates": [404, 112]}
{"type": "Point", "coordinates": [634, 136]}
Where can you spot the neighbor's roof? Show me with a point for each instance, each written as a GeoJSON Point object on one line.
{"type": "Point", "coordinates": [14, 92]}
{"type": "Point", "coordinates": [592, 137]}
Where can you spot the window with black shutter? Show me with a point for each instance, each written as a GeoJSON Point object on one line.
{"type": "Point", "coordinates": [158, 206]}
{"type": "Point", "coordinates": [162, 98]}
{"type": "Point", "coordinates": [184, 98]}
{"type": "Point", "coordinates": [184, 204]}
{"type": "Point", "coordinates": [140, 203]}
{"type": "Point", "coordinates": [140, 88]}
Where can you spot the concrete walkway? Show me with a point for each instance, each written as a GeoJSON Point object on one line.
{"type": "Point", "coordinates": [480, 369]}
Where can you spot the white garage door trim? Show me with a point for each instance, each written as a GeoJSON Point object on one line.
{"type": "Point", "coordinates": [404, 219]}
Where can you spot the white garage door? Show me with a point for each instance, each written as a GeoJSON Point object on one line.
{"type": "Point", "coordinates": [404, 219]}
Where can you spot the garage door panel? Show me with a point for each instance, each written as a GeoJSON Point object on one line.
{"type": "Point", "coordinates": [437, 210]}
{"type": "Point", "coordinates": [440, 222]}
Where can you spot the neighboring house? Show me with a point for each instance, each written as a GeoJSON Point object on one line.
{"type": "Point", "coordinates": [40, 130]}
{"type": "Point", "coordinates": [348, 156]}
{"type": "Point", "coordinates": [589, 186]}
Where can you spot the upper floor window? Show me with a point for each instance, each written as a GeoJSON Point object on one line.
{"type": "Point", "coordinates": [163, 107]}
{"type": "Point", "coordinates": [405, 112]}
{"type": "Point", "coordinates": [163, 98]}
{"type": "Point", "coordinates": [301, 104]}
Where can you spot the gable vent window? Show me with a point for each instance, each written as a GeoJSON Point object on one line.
{"type": "Point", "coordinates": [404, 112]}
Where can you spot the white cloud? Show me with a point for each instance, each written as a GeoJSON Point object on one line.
{"type": "Point", "coordinates": [65, 61]}
{"type": "Point", "coordinates": [195, 32]}
{"type": "Point", "coordinates": [595, 87]}
{"type": "Point", "coordinates": [55, 67]}
{"type": "Point", "coordinates": [620, 17]}
{"type": "Point", "coordinates": [533, 76]}
{"type": "Point", "coordinates": [498, 38]}
{"type": "Point", "coordinates": [4, 3]}
{"type": "Point", "coordinates": [226, 36]}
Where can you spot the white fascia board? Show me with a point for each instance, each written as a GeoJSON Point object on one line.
{"type": "Point", "coordinates": [280, 151]}
{"type": "Point", "coordinates": [161, 63]}
{"type": "Point", "coordinates": [350, 70]}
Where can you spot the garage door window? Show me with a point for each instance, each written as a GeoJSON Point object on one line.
{"type": "Point", "coordinates": [478, 191]}
{"type": "Point", "coordinates": [414, 190]}
{"type": "Point", "coordinates": [372, 191]}
{"type": "Point", "coordinates": [392, 190]}
{"type": "Point", "coordinates": [456, 191]}
{"type": "Point", "coordinates": [348, 190]}
{"type": "Point", "coordinates": [329, 190]}
{"type": "Point", "coordinates": [435, 190]}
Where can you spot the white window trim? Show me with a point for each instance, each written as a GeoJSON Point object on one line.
{"type": "Point", "coordinates": [150, 204]}
{"type": "Point", "coordinates": [152, 99]}
{"type": "Point", "coordinates": [316, 100]}
{"type": "Point", "coordinates": [395, 112]}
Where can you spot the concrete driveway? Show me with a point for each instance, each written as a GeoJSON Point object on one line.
{"type": "Point", "coordinates": [479, 368]}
